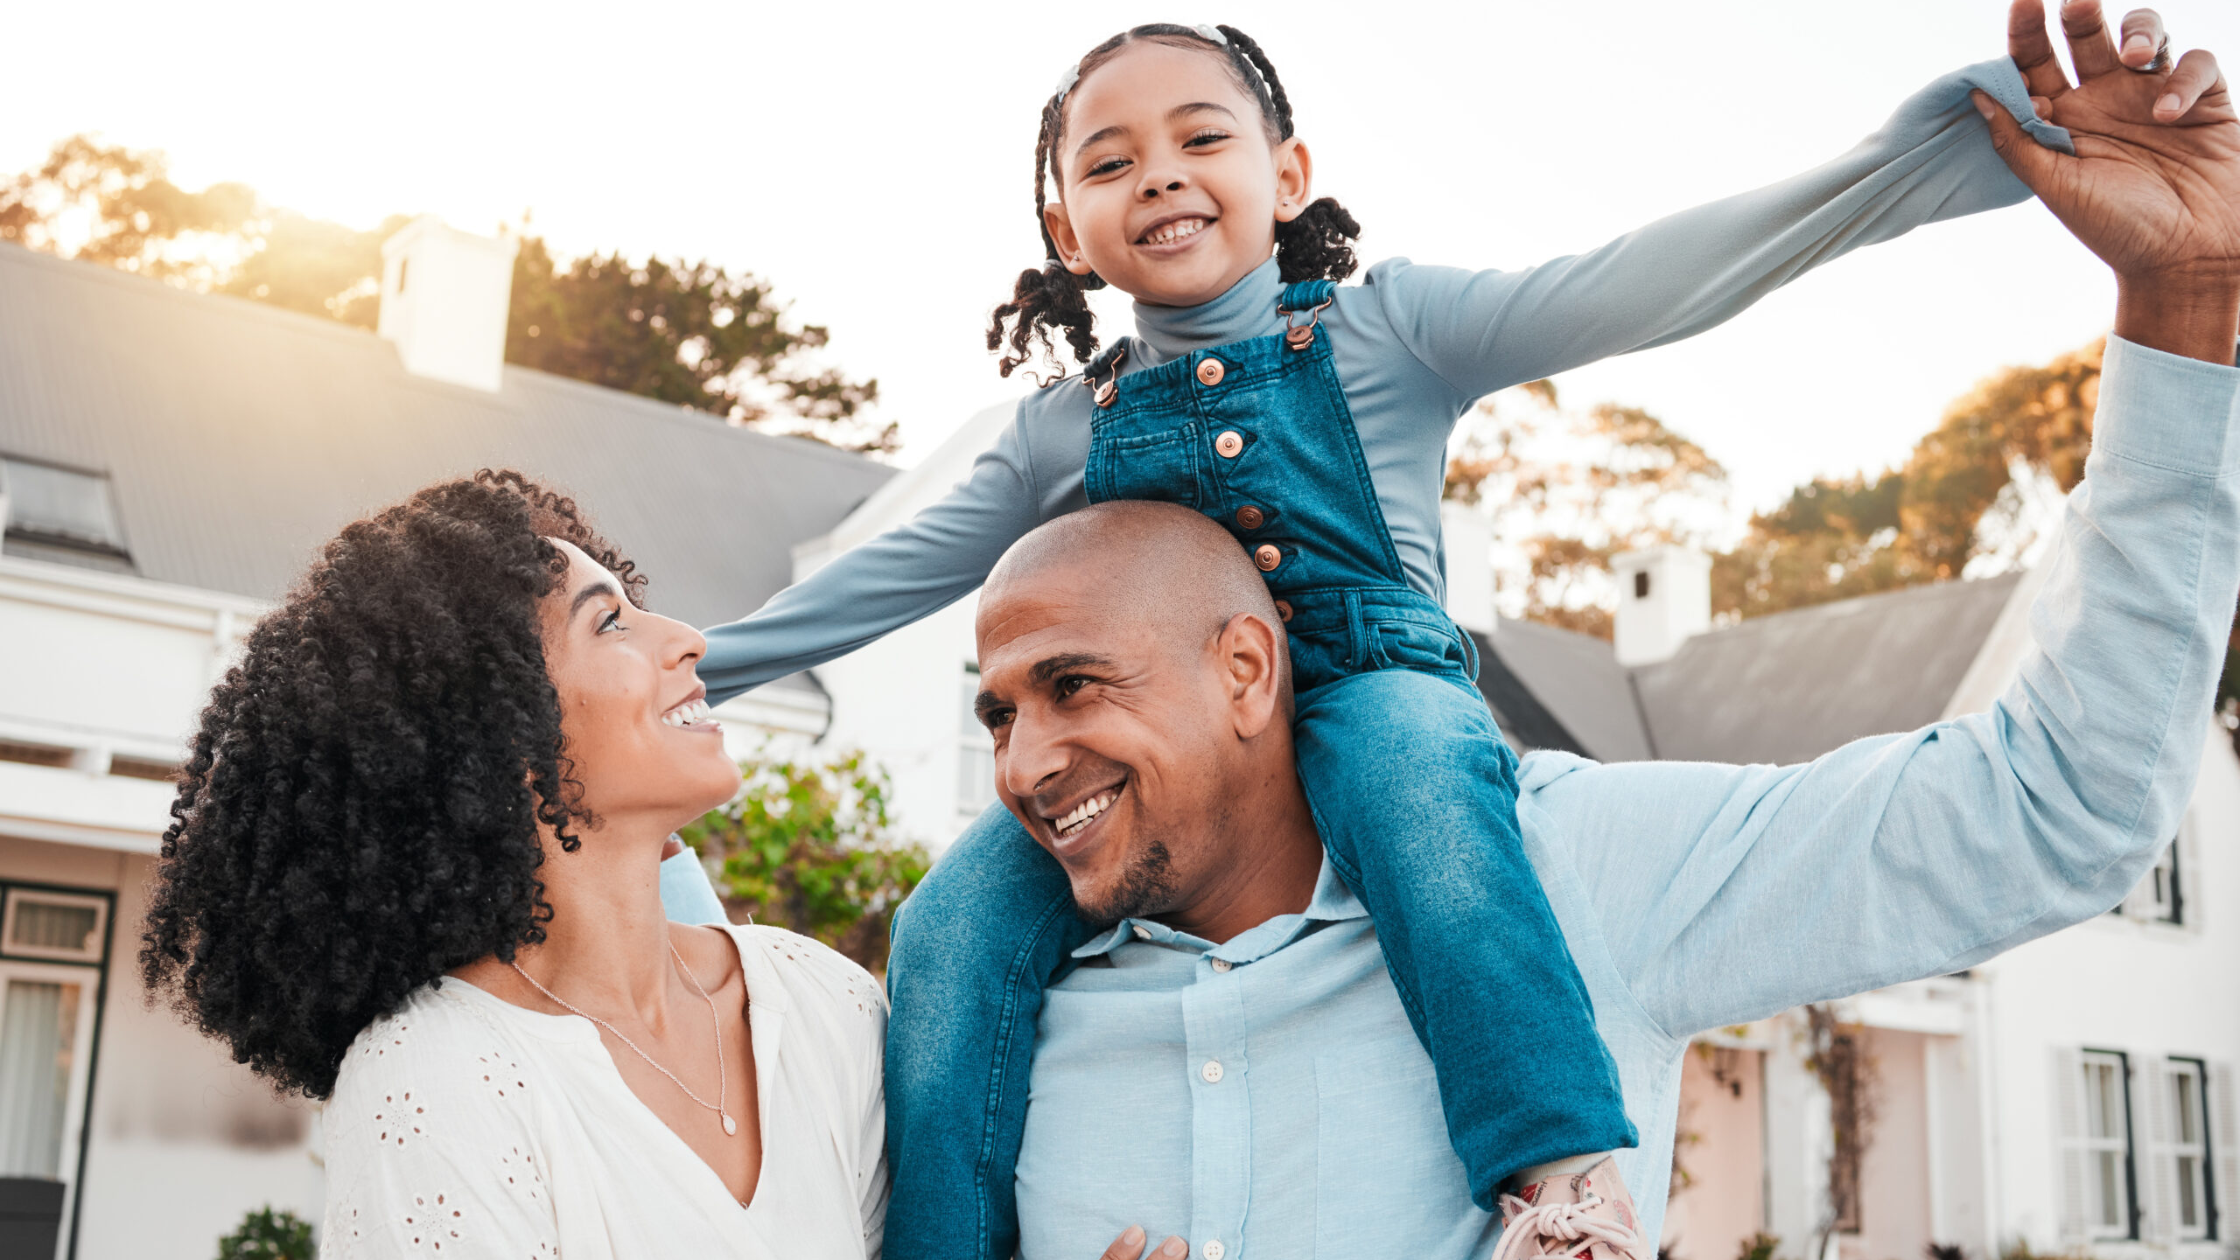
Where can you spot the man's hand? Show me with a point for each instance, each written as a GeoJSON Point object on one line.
{"type": "Point", "coordinates": [2154, 187]}
{"type": "Point", "coordinates": [1129, 1245]}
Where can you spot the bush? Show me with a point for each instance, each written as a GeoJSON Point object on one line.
{"type": "Point", "coordinates": [269, 1235]}
{"type": "Point", "coordinates": [807, 845]}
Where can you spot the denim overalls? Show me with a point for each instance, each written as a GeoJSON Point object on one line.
{"type": "Point", "coordinates": [1411, 785]}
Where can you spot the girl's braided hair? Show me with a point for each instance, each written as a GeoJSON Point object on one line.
{"type": "Point", "coordinates": [1317, 245]}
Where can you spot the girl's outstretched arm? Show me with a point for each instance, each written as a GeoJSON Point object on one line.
{"type": "Point", "coordinates": [1487, 330]}
{"type": "Point", "coordinates": [918, 568]}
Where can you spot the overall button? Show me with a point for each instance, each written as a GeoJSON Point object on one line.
{"type": "Point", "coordinates": [1211, 1071]}
{"type": "Point", "coordinates": [1229, 443]}
{"type": "Point", "coordinates": [1210, 371]}
{"type": "Point", "coordinates": [1142, 933]}
{"type": "Point", "coordinates": [1221, 966]}
{"type": "Point", "coordinates": [1283, 609]}
{"type": "Point", "coordinates": [1214, 1250]}
{"type": "Point", "coordinates": [1251, 517]}
{"type": "Point", "coordinates": [1267, 556]}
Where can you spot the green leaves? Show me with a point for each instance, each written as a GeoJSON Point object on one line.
{"type": "Point", "coordinates": [266, 1234]}
{"type": "Point", "coordinates": [807, 846]}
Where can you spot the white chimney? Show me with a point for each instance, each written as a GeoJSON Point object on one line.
{"type": "Point", "coordinates": [1664, 598]}
{"type": "Point", "coordinates": [1468, 551]}
{"type": "Point", "coordinates": [444, 297]}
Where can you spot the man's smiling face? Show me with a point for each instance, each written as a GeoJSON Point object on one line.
{"type": "Point", "coordinates": [1101, 739]}
{"type": "Point", "coordinates": [1134, 679]}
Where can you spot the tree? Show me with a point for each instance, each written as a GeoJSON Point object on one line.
{"type": "Point", "coordinates": [1972, 499]}
{"type": "Point", "coordinates": [806, 845]}
{"type": "Point", "coordinates": [1567, 490]}
{"type": "Point", "coordinates": [695, 335]}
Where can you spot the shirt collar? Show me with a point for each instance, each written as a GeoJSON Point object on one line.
{"type": "Point", "coordinates": [1247, 310]}
{"type": "Point", "coordinates": [1332, 902]}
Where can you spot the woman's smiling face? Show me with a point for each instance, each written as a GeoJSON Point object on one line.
{"type": "Point", "coordinates": [633, 714]}
{"type": "Point", "coordinates": [1169, 187]}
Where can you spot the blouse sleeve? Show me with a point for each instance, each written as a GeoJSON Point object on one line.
{"type": "Point", "coordinates": [430, 1148]}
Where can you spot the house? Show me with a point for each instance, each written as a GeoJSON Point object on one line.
{"type": "Point", "coordinates": [168, 464]}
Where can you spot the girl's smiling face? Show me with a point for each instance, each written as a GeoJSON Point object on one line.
{"type": "Point", "coordinates": [1169, 186]}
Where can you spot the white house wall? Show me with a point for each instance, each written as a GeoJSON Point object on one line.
{"type": "Point", "coordinates": [2117, 984]}
{"type": "Point", "coordinates": [900, 699]}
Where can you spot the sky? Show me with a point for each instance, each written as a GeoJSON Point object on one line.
{"type": "Point", "coordinates": [873, 162]}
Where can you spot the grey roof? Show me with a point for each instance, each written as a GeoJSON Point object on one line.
{"type": "Point", "coordinates": [1525, 722]}
{"type": "Point", "coordinates": [238, 437]}
{"type": "Point", "coordinates": [1577, 682]}
{"type": "Point", "coordinates": [1787, 687]}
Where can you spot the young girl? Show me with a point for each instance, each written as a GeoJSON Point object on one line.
{"type": "Point", "coordinates": [1311, 421]}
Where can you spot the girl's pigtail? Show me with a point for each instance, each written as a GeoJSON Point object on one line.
{"type": "Point", "coordinates": [1044, 298]}
{"type": "Point", "coordinates": [1049, 296]}
{"type": "Point", "coordinates": [1318, 245]}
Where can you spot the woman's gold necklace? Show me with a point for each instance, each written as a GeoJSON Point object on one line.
{"type": "Point", "coordinates": [723, 1080]}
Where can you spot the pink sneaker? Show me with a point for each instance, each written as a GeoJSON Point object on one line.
{"type": "Point", "coordinates": [1576, 1216]}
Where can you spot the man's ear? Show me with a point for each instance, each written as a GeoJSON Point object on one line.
{"type": "Point", "coordinates": [1060, 223]}
{"type": "Point", "coordinates": [1294, 179]}
{"type": "Point", "coordinates": [1252, 654]}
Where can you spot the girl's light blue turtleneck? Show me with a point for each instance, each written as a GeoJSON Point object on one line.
{"type": "Point", "coordinates": [1415, 347]}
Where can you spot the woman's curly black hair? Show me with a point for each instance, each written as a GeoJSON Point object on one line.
{"type": "Point", "coordinates": [359, 812]}
{"type": "Point", "coordinates": [1317, 245]}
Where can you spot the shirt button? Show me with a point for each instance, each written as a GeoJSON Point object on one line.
{"type": "Point", "coordinates": [1267, 556]}
{"type": "Point", "coordinates": [1221, 966]}
{"type": "Point", "coordinates": [1211, 1071]}
{"type": "Point", "coordinates": [1210, 371]}
{"type": "Point", "coordinates": [1142, 933]}
{"type": "Point", "coordinates": [1251, 517]}
{"type": "Point", "coordinates": [1214, 1249]}
{"type": "Point", "coordinates": [1283, 609]}
{"type": "Point", "coordinates": [1229, 444]}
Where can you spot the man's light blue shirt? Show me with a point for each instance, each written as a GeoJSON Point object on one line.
{"type": "Point", "coordinates": [1268, 1093]}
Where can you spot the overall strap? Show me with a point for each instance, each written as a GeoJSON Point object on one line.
{"type": "Point", "coordinates": [1305, 295]}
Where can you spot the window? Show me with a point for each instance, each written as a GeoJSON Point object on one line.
{"type": "Point", "coordinates": [976, 752]}
{"type": "Point", "coordinates": [59, 926]}
{"type": "Point", "coordinates": [2165, 896]}
{"type": "Point", "coordinates": [39, 1039]}
{"type": "Point", "coordinates": [51, 504]}
{"type": "Point", "coordinates": [2107, 1145]}
{"type": "Point", "coordinates": [2186, 1098]}
{"type": "Point", "coordinates": [1640, 585]}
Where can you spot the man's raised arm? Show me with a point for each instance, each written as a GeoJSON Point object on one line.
{"type": "Point", "coordinates": [1731, 892]}
{"type": "Point", "coordinates": [1727, 893]}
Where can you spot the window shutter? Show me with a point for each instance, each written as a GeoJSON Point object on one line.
{"type": "Point", "coordinates": [2068, 1118]}
{"type": "Point", "coordinates": [2159, 1169]}
{"type": "Point", "coordinates": [2224, 1153]}
{"type": "Point", "coordinates": [2189, 873]}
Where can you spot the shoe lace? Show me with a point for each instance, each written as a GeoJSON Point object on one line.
{"type": "Point", "coordinates": [1567, 1223]}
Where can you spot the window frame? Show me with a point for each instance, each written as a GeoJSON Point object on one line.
{"type": "Point", "coordinates": [976, 751]}
{"type": "Point", "coordinates": [15, 895]}
{"type": "Point", "coordinates": [2125, 1144]}
{"type": "Point", "coordinates": [2203, 1150]}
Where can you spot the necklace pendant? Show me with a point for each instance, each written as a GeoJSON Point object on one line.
{"type": "Point", "coordinates": [730, 1126]}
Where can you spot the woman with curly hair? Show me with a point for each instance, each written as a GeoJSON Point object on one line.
{"type": "Point", "coordinates": [414, 869]}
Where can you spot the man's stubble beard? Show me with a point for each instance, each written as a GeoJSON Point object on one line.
{"type": "Point", "coordinates": [1144, 888]}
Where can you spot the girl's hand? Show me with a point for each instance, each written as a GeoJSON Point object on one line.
{"type": "Point", "coordinates": [1129, 1245]}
